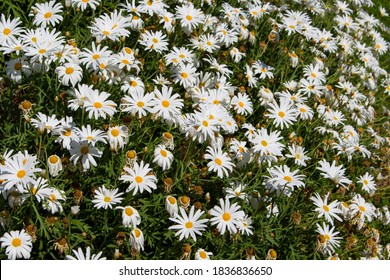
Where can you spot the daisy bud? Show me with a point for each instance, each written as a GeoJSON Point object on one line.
{"type": "Point", "coordinates": [67, 4]}
{"type": "Point", "coordinates": [54, 164]}
{"type": "Point", "coordinates": [77, 196]}
{"type": "Point", "coordinates": [184, 201]}
{"type": "Point", "coordinates": [186, 252]}
{"type": "Point", "coordinates": [171, 206]}
{"type": "Point", "coordinates": [271, 255]}
{"type": "Point", "coordinates": [74, 210]}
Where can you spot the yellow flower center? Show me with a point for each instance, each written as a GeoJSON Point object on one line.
{"type": "Point", "coordinates": [163, 153]}
{"type": "Point", "coordinates": [165, 103]}
{"type": "Point", "coordinates": [203, 254]}
{"type": "Point", "coordinates": [137, 232]}
{"type": "Point", "coordinates": [97, 105]}
{"type": "Point", "coordinates": [90, 138]}
{"type": "Point", "coordinates": [281, 114]}
{"type": "Point", "coordinates": [16, 242]}
{"type": "Point", "coordinates": [362, 208]}
{"type": "Point", "coordinates": [292, 26]}
{"type": "Point", "coordinates": [226, 217]}
{"type": "Point", "coordinates": [18, 66]}
{"type": "Point", "coordinates": [96, 56]}
{"type": "Point", "coordinates": [67, 132]}
{"type": "Point", "coordinates": [140, 104]}
{"type": "Point", "coordinates": [287, 178]}
{"type": "Point", "coordinates": [69, 70]}
{"type": "Point", "coordinates": [188, 17]}
{"type": "Point", "coordinates": [21, 174]}
{"type": "Point", "coordinates": [115, 132]}
{"type": "Point", "coordinates": [125, 61]}
{"type": "Point", "coordinates": [264, 143]}
{"type": "Point", "coordinates": [138, 179]}
{"type": "Point", "coordinates": [205, 123]}
{"type": "Point", "coordinates": [6, 31]}
{"type": "Point", "coordinates": [184, 199]}
{"type": "Point", "coordinates": [84, 150]}
{"type": "Point", "coordinates": [184, 75]}
{"type": "Point", "coordinates": [241, 104]}
{"type": "Point", "coordinates": [105, 32]}
{"type": "Point", "coordinates": [53, 159]}
{"type": "Point", "coordinates": [131, 154]}
{"type": "Point", "coordinates": [53, 197]}
{"type": "Point", "coordinates": [326, 208]}
{"type": "Point", "coordinates": [133, 83]}
{"type": "Point", "coordinates": [303, 110]}
{"type": "Point", "coordinates": [26, 105]}
{"type": "Point", "coordinates": [365, 182]}
{"type": "Point", "coordinates": [188, 225]}
{"type": "Point", "coordinates": [218, 161]}
{"type": "Point", "coordinates": [107, 199]}
{"type": "Point", "coordinates": [47, 15]}
{"type": "Point", "coordinates": [42, 51]}
{"type": "Point", "coordinates": [172, 200]}
{"type": "Point", "coordinates": [155, 40]}
{"type": "Point", "coordinates": [314, 75]}
{"type": "Point", "coordinates": [182, 56]}
{"type": "Point", "coordinates": [129, 212]}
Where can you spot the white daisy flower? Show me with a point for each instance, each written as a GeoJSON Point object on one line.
{"type": "Point", "coordinates": [84, 152]}
{"type": "Point", "coordinates": [139, 178]}
{"type": "Point", "coordinates": [219, 161]}
{"type": "Point", "coordinates": [189, 225]}
{"type": "Point", "coordinates": [130, 216]}
{"type": "Point", "coordinates": [163, 157]}
{"type": "Point", "coordinates": [106, 198]}
{"type": "Point", "coordinates": [226, 216]}
{"type": "Point", "coordinates": [80, 254]}
{"type": "Point", "coordinates": [18, 244]}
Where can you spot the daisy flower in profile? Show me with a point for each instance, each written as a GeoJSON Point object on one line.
{"type": "Point", "coordinates": [98, 105]}
{"type": "Point", "coordinates": [9, 29]}
{"type": "Point", "coordinates": [201, 254]}
{"type": "Point", "coordinates": [18, 244]}
{"type": "Point", "coordinates": [163, 157]}
{"type": "Point", "coordinates": [327, 239]}
{"type": "Point", "coordinates": [84, 4]}
{"type": "Point", "coordinates": [139, 178]}
{"type": "Point", "coordinates": [54, 164]}
{"type": "Point", "coordinates": [137, 240]}
{"type": "Point", "coordinates": [189, 225]}
{"type": "Point", "coordinates": [47, 13]}
{"type": "Point", "coordinates": [245, 225]}
{"type": "Point", "coordinates": [235, 190]}
{"type": "Point", "coordinates": [283, 115]}
{"type": "Point", "coordinates": [130, 216]}
{"type": "Point", "coordinates": [84, 152]}
{"type": "Point", "coordinates": [80, 255]}
{"type": "Point", "coordinates": [298, 154]}
{"type": "Point", "coordinates": [156, 41]}
{"type": "Point", "coordinates": [368, 183]}
{"type": "Point", "coordinates": [93, 136]}
{"type": "Point", "coordinates": [242, 104]}
{"type": "Point", "coordinates": [117, 137]}
{"type": "Point", "coordinates": [171, 206]}
{"type": "Point", "coordinates": [106, 198]}
{"type": "Point", "coordinates": [361, 208]}
{"type": "Point", "coordinates": [330, 211]}
{"type": "Point", "coordinates": [219, 162]}
{"type": "Point", "coordinates": [226, 216]}
{"type": "Point", "coordinates": [283, 176]}
{"type": "Point", "coordinates": [69, 73]}
{"type": "Point", "coordinates": [52, 201]}
{"type": "Point", "coordinates": [165, 104]}
{"type": "Point", "coordinates": [333, 172]}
